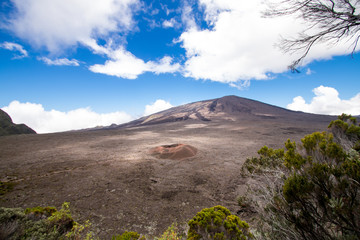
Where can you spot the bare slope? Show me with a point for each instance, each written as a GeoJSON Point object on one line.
{"type": "Point", "coordinates": [228, 108]}
{"type": "Point", "coordinates": [111, 177]}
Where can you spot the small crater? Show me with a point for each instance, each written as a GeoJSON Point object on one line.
{"type": "Point", "coordinates": [175, 151]}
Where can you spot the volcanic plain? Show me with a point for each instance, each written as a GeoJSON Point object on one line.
{"type": "Point", "coordinates": [112, 176]}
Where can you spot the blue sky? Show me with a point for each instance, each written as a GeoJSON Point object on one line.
{"type": "Point", "coordinates": [72, 64]}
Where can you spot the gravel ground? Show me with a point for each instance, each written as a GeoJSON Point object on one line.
{"type": "Point", "coordinates": [110, 177]}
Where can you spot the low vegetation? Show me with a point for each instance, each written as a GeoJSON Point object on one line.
{"type": "Point", "coordinates": [172, 233]}
{"type": "Point", "coordinates": [6, 187]}
{"type": "Point", "coordinates": [128, 236]}
{"type": "Point", "coordinates": [312, 190]}
{"type": "Point", "coordinates": [47, 223]}
{"type": "Point", "coordinates": [39, 223]}
{"type": "Point", "coordinates": [217, 223]}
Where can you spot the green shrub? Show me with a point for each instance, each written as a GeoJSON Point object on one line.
{"type": "Point", "coordinates": [318, 195]}
{"type": "Point", "coordinates": [41, 223]}
{"type": "Point", "coordinates": [292, 159]}
{"type": "Point", "coordinates": [353, 130]}
{"type": "Point", "coordinates": [127, 236]}
{"type": "Point", "coordinates": [347, 118]}
{"type": "Point", "coordinates": [346, 127]}
{"type": "Point", "coordinates": [339, 124]}
{"type": "Point", "coordinates": [80, 231]}
{"type": "Point", "coordinates": [217, 223]}
{"type": "Point", "coordinates": [311, 191]}
{"type": "Point", "coordinates": [62, 219]}
{"type": "Point", "coordinates": [10, 219]}
{"type": "Point", "coordinates": [357, 146]}
{"type": "Point", "coordinates": [6, 187]}
{"type": "Point", "coordinates": [268, 159]}
{"type": "Point", "coordinates": [40, 212]}
{"type": "Point", "coordinates": [242, 201]}
{"type": "Point", "coordinates": [15, 224]}
{"type": "Point", "coordinates": [172, 233]}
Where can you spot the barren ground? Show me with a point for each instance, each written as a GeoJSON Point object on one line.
{"type": "Point", "coordinates": [109, 176]}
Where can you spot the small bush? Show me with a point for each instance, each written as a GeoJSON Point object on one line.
{"type": "Point", "coordinates": [357, 146]}
{"type": "Point", "coordinates": [41, 223]}
{"type": "Point", "coordinates": [339, 124]}
{"type": "Point", "coordinates": [6, 187]}
{"type": "Point", "coordinates": [128, 236]}
{"type": "Point", "coordinates": [15, 224]}
{"type": "Point", "coordinates": [172, 233]}
{"type": "Point", "coordinates": [345, 129]}
{"type": "Point", "coordinates": [217, 223]}
{"type": "Point", "coordinates": [40, 212]}
{"type": "Point", "coordinates": [10, 222]}
{"type": "Point", "coordinates": [268, 159]}
{"type": "Point", "coordinates": [242, 201]}
{"type": "Point", "coordinates": [347, 118]}
{"type": "Point", "coordinates": [62, 219]}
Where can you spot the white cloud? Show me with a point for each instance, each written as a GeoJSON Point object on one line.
{"type": "Point", "coordinates": [164, 65]}
{"type": "Point", "coordinates": [309, 71]}
{"type": "Point", "coordinates": [152, 23]}
{"type": "Point", "coordinates": [15, 47]}
{"type": "Point", "coordinates": [43, 121]}
{"type": "Point", "coordinates": [238, 46]}
{"type": "Point", "coordinates": [241, 85]}
{"type": "Point", "coordinates": [172, 23]}
{"type": "Point", "coordinates": [59, 62]}
{"type": "Point", "coordinates": [57, 24]}
{"type": "Point", "coordinates": [187, 17]}
{"type": "Point", "coordinates": [240, 43]}
{"type": "Point", "coordinates": [125, 65]}
{"type": "Point", "coordinates": [158, 106]}
{"type": "Point", "coordinates": [327, 101]}
{"type": "Point", "coordinates": [166, 9]}
{"type": "Point", "coordinates": [122, 64]}
{"type": "Point", "coordinates": [61, 24]}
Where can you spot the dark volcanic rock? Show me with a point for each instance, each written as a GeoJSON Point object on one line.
{"type": "Point", "coordinates": [7, 127]}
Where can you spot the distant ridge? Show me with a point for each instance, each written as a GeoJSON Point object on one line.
{"type": "Point", "coordinates": [228, 108]}
{"type": "Point", "coordinates": [7, 127]}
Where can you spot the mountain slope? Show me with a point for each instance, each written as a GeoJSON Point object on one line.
{"type": "Point", "coordinates": [228, 108]}
{"type": "Point", "coordinates": [7, 127]}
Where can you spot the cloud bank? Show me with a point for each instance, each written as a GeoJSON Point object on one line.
{"type": "Point", "coordinates": [158, 106]}
{"type": "Point", "coordinates": [58, 24]}
{"type": "Point", "coordinates": [327, 101]}
{"type": "Point", "coordinates": [239, 44]}
{"type": "Point", "coordinates": [235, 46]}
{"type": "Point", "coordinates": [44, 121]}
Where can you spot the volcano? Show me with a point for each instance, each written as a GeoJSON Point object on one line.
{"type": "Point", "coordinates": [225, 109]}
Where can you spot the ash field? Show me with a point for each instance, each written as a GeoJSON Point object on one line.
{"type": "Point", "coordinates": [113, 177]}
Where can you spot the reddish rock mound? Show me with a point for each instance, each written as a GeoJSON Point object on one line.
{"type": "Point", "coordinates": [175, 151]}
